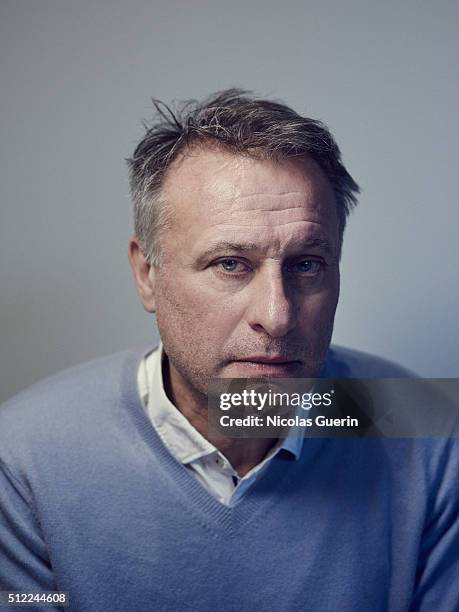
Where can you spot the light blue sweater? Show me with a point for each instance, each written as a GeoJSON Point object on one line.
{"type": "Point", "coordinates": [92, 503]}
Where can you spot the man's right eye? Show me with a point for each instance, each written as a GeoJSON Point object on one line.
{"type": "Point", "coordinates": [229, 265]}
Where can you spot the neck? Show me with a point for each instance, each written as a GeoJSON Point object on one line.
{"type": "Point", "coordinates": [243, 454]}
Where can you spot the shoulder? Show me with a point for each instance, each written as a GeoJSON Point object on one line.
{"type": "Point", "coordinates": [68, 383]}
{"type": "Point", "coordinates": [349, 363]}
{"type": "Point", "coordinates": [67, 407]}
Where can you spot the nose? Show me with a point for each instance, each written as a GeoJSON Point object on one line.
{"type": "Point", "coordinates": [271, 310]}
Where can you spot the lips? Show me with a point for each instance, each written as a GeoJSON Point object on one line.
{"type": "Point", "coordinates": [265, 359]}
{"type": "Point", "coordinates": [264, 365]}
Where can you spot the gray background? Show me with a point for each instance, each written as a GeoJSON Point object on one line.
{"type": "Point", "coordinates": [76, 79]}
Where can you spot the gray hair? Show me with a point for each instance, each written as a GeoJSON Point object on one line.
{"type": "Point", "coordinates": [233, 120]}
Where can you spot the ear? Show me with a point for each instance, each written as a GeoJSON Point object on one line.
{"type": "Point", "coordinates": [144, 275]}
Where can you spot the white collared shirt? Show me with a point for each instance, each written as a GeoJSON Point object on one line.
{"type": "Point", "coordinates": [207, 464]}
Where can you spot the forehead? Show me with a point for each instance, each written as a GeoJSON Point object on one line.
{"type": "Point", "coordinates": [218, 194]}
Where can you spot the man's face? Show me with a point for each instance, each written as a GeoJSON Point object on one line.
{"type": "Point", "coordinates": [249, 279]}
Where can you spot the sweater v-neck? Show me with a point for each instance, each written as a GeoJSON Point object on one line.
{"type": "Point", "coordinates": [187, 490]}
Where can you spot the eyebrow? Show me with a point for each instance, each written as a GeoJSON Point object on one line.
{"type": "Point", "coordinates": [235, 247]}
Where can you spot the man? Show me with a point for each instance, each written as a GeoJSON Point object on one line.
{"type": "Point", "coordinates": [115, 490]}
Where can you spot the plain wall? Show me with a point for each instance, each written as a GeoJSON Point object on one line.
{"type": "Point", "coordinates": [77, 78]}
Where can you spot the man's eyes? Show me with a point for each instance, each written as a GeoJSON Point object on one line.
{"type": "Point", "coordinates": [235, 267]}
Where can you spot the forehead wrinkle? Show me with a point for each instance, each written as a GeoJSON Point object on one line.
{"type": "Point", "coordinates": [317, 232]}
{"type": "Point", "coordinates": [272, 210]}
{"type": "Point", "coordinates": [268, 202]}
{"type": "Point", "coordinates": [296, 212]}
{"type": "Point", "coordinates": [275, 194]}
{"type": "Point", "coordinates": [229, 192]}
{"type": "Point", "coordinates": [274, 207]}
{"type": "Point", "coordinates": [309, 234]}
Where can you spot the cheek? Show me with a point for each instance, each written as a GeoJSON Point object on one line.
{"type": "Point", "coordinates": [317, 311]}
{"type": "Point", "coordinates": [185, 304]}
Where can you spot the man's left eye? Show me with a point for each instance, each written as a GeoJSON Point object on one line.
{"type": "Point", "coordinates": [308, 266]}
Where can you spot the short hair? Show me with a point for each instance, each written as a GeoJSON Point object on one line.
{"type": "Point", "coordinates": [237, 121]}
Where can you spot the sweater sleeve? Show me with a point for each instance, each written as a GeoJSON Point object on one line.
{"type": "Point", "coordinates": [24, 560]}
{"type": "Point", "coordinates": [437, 583]}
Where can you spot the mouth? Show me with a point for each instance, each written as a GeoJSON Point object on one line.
{"type": "Point", "coordinates": [275, 365]}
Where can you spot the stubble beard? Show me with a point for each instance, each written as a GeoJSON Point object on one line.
{"type": "Point", "coordinates": [196, 378]}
